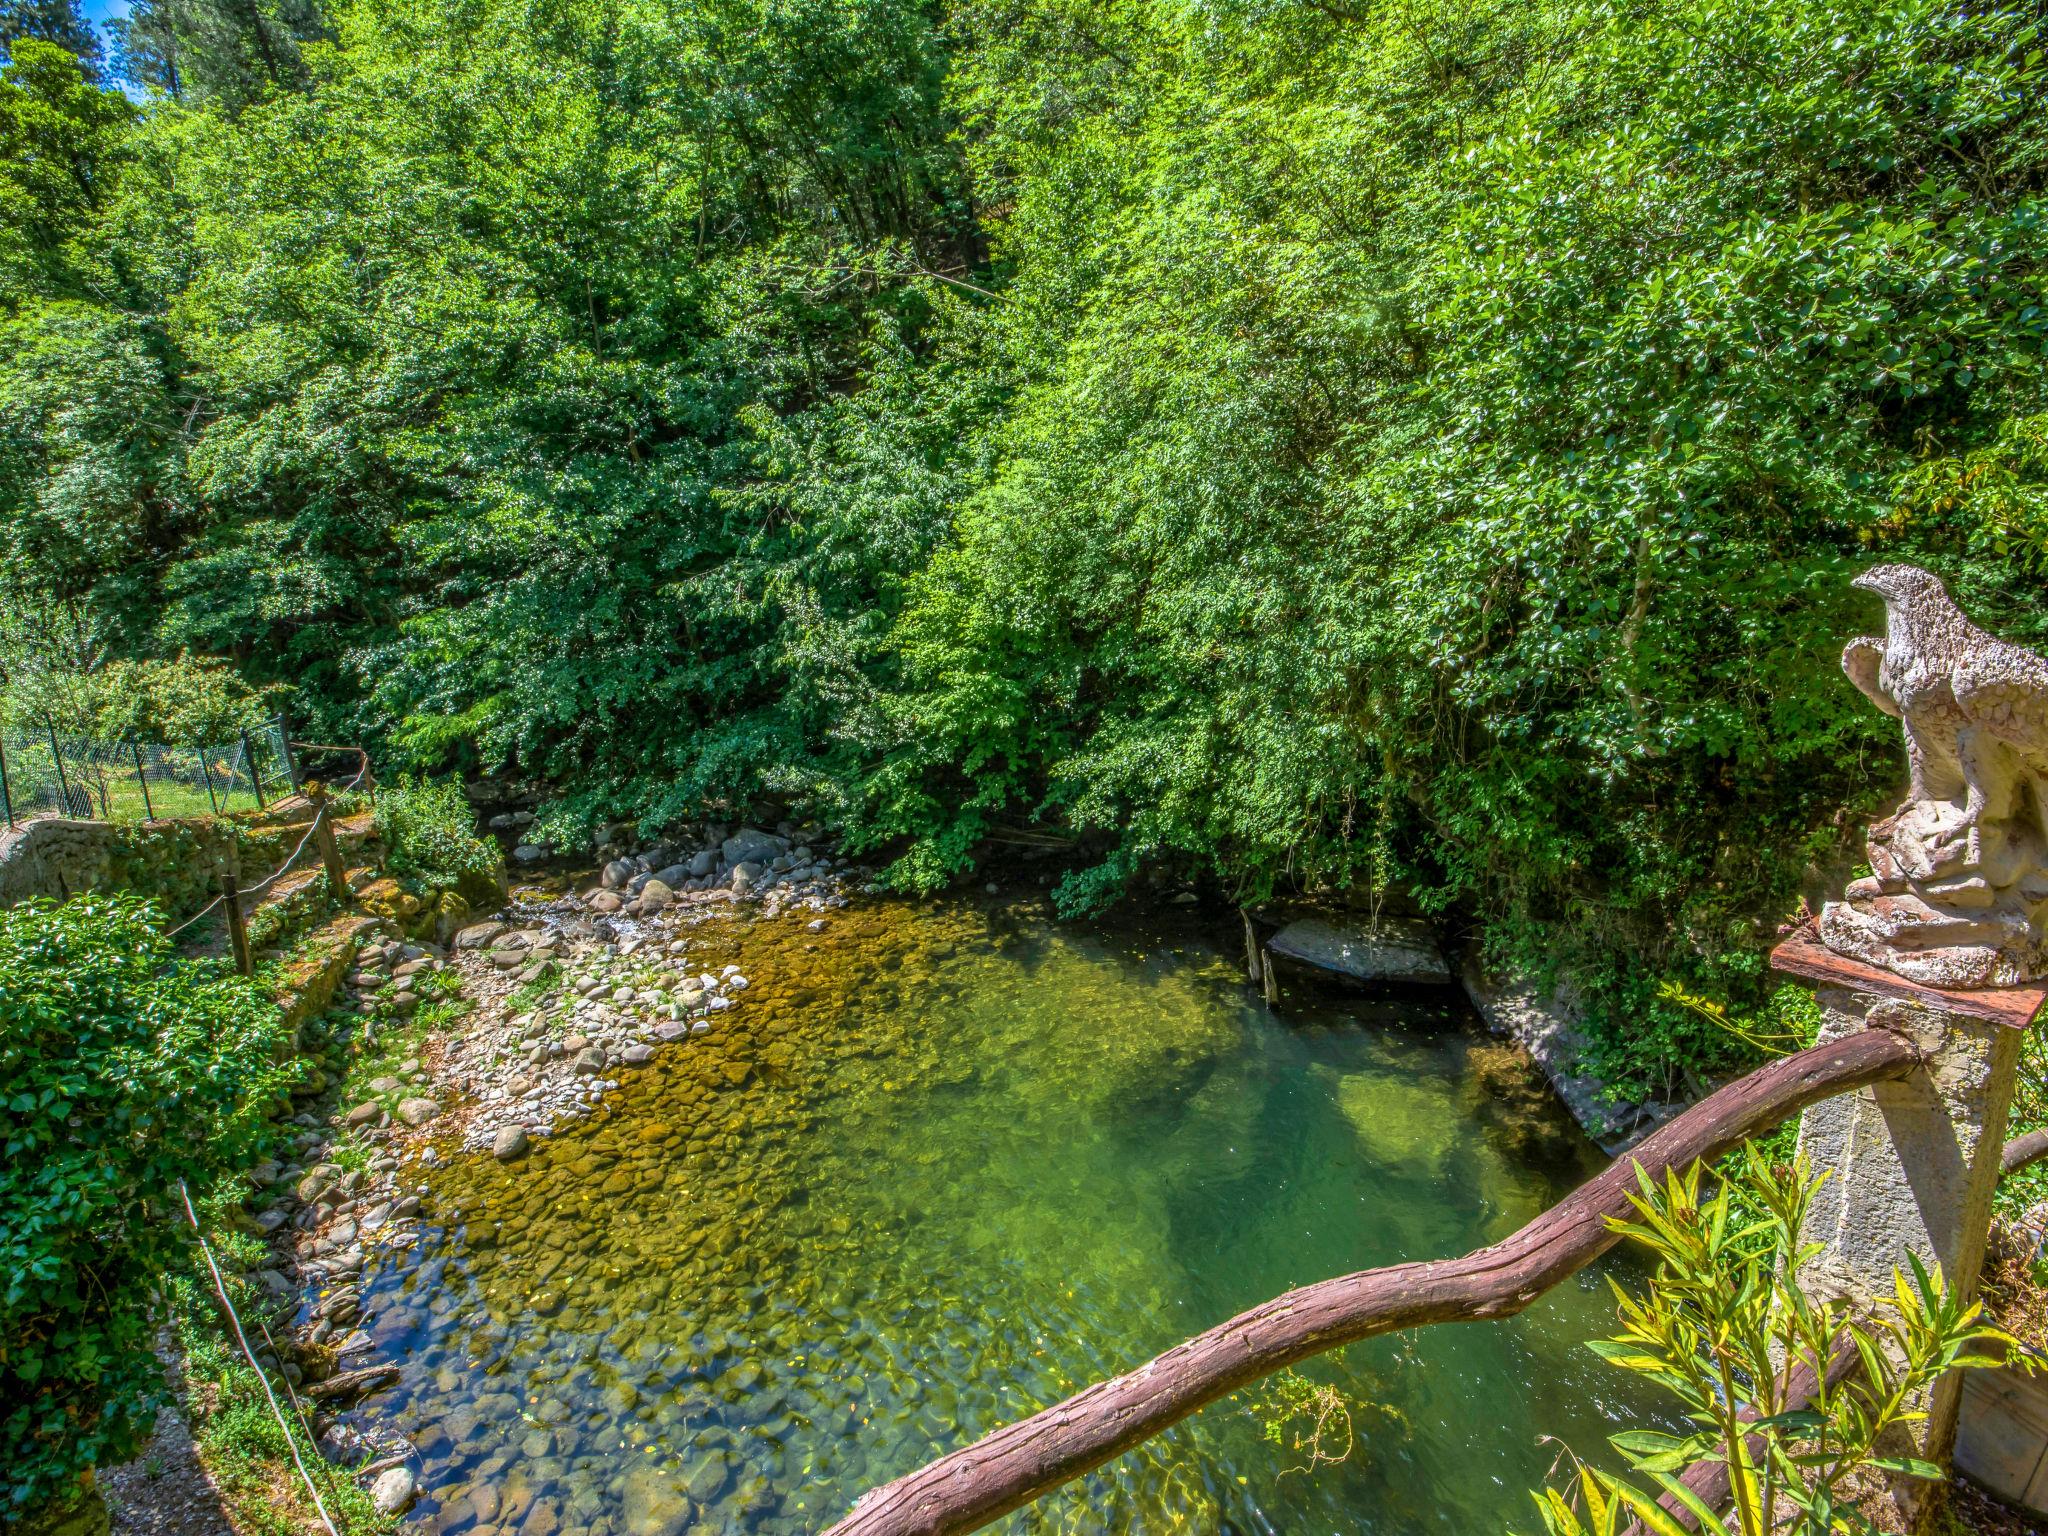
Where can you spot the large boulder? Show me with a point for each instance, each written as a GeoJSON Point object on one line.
{"type": "Point", "coordinates": [752, 845]}
{"type": "Point", "coordinates": [1390, 950]}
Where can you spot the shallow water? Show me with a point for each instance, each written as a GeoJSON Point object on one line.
{"type": "Point", "coordinates": [945, 1165]}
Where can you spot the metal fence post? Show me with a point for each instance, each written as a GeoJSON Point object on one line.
{"type": "Point", "coordinates": [291, 763]}
{"type": "Point", "coordinates": [142, 780]}
{"type": "Point", "coordinates": [6, 793]}
{"type": "Point", "coordinates": [238, 930]}
{"type": "Point", "coordinates": [255, 777]}
{"type": "Point", "coordinates": [206, 771]}
{"type": "Point", "coordinates": [63, 784]}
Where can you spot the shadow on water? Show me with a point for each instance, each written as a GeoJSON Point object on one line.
{"type": "Point", "coordinates": [945, 1166]}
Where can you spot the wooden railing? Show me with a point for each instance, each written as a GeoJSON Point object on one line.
{"type": "Point", "coordinates": [1009, 1468]}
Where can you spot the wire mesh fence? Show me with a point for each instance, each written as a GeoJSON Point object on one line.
{"type": "Point", "coordinates": [46, 773]}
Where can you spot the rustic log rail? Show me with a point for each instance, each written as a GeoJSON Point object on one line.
{"type": "Point", "coordinates": [1007, 1469]}
{"type": "Point", "coordinates": [2024, 1151]}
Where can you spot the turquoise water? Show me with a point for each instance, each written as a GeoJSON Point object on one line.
{"type": "Point", "coordinates": [944, 1166]}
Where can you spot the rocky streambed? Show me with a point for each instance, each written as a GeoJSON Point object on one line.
{"type": "Point", "coordinates": [810, 1191]}
{"type": "Point", "coordinates": [523, 1023]}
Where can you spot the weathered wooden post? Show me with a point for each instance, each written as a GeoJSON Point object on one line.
{"type": "Point", "coordinates": [323, 834]}
{"type": "Point", "coordinates": [1945, 942]}
{"type": "Point", "coordinates": [238, 930]}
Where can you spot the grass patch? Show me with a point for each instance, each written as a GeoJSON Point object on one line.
{"type": "Point", "coordinates": [535, 994]}
{"type": "Point", "coordinates": [240, 1442]}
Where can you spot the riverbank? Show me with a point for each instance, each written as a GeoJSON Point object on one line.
{"type": "Point", "coordinates": [520, 1026]}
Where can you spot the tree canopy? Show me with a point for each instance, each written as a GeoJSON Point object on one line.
{"type": "Point", "coordinates": [1290, 445]}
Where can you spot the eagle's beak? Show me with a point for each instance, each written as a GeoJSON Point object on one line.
{"type": "Point", "coordinates": [1867, 581]}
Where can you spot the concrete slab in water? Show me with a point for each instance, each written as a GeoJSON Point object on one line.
{"type": "Point", "coordinates": [1393, 949]}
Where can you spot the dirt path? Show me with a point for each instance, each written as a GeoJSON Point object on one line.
{"type": "Point", "coordinates": [165, 1491]}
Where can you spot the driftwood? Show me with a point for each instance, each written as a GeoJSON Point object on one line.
{"type": "Point", "coordinates": [349, 1385]}
{"type": "Point", "coordinates": [1009, 1468]}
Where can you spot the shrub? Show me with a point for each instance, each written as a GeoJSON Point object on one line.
{"type": "Point", "coordinates": [1722, 1323]}
{"type": "Point", "coordinates": [125, 1071]}
{"type": "Point", "coordinates": [426, 827]}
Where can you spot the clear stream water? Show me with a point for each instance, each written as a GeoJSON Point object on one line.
{"type": "Point", "coordinates": [946, 1164]}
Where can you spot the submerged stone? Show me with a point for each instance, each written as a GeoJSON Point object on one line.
{"type": "Point", "coordinates": [1390, 950]}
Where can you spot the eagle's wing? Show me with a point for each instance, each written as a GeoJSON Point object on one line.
{"type": "Point", "coordinates": [2005, 691]}
{"type": "Point", "coordinates": [1861, 659]}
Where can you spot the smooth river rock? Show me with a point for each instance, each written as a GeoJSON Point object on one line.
{"type": "Point", "coordinates": [509, 1143]}
{"type": "Point", "coordinates": [393, 1490]}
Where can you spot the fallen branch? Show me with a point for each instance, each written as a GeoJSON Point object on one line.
{"type": "Point", "coordinates": [1016, 1464]}
{"type": "Point", "coordinates": [352, 1384]}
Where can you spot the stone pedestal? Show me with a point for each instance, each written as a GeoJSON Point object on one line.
{"type": "Point", "coordinates": [1913, 1163]}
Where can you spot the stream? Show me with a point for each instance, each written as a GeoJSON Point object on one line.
{"type": "Point", "coordinates": [948, 1162]}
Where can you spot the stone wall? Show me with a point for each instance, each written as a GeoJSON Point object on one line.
{"type": "Point", "coordinates": [1547, 1025]}
{"type": "Point", "coordinates": [172, 861]}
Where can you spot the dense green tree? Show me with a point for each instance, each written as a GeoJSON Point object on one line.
{"type": "Point", "coordinates": [227, 52]}
{"type": "Point", "coordinates": [1445, 440]}
{"type": "Point", "coordinates": [1306, 446]}
{"type": "Point", "coordinates": [62, 140]}
{"type": "Point", "coordinates": [54, 21]}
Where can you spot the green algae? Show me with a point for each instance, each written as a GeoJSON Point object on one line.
{"type": "Point", "coordinates": [943, 1166]}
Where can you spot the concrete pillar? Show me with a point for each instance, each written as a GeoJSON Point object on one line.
{"type": "Point", "coordinates": [1913, 1164]}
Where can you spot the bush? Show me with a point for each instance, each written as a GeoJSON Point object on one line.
{"type": "Point", "coordinates": [426, 827]}
{"type": "Point", "coordinates": [125, 1071]}
{"type": "Point", "coordinates": [1722, 1325]}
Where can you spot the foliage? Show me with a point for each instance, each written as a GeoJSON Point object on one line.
{"type": "Point", "coordinates": [127, 1073]}
{"type": "Point", "coordinates": [427, 829]}
{"type": "Point", "coordinates": [2029, 1186]}
{"type": "Point", "coordinates": [54, 21]}
{"type": "Point", "coordinates": [230, 53]}
{"type": "Point", "coordinates": [1306, 446]}
{"type": "Point", "coordinates": [180, 700]}
{"type": "Point", "coordinates": [1723, 1326]}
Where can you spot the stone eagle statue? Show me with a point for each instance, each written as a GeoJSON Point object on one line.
{"type": "Point", "coordinates": [1958, 890]}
